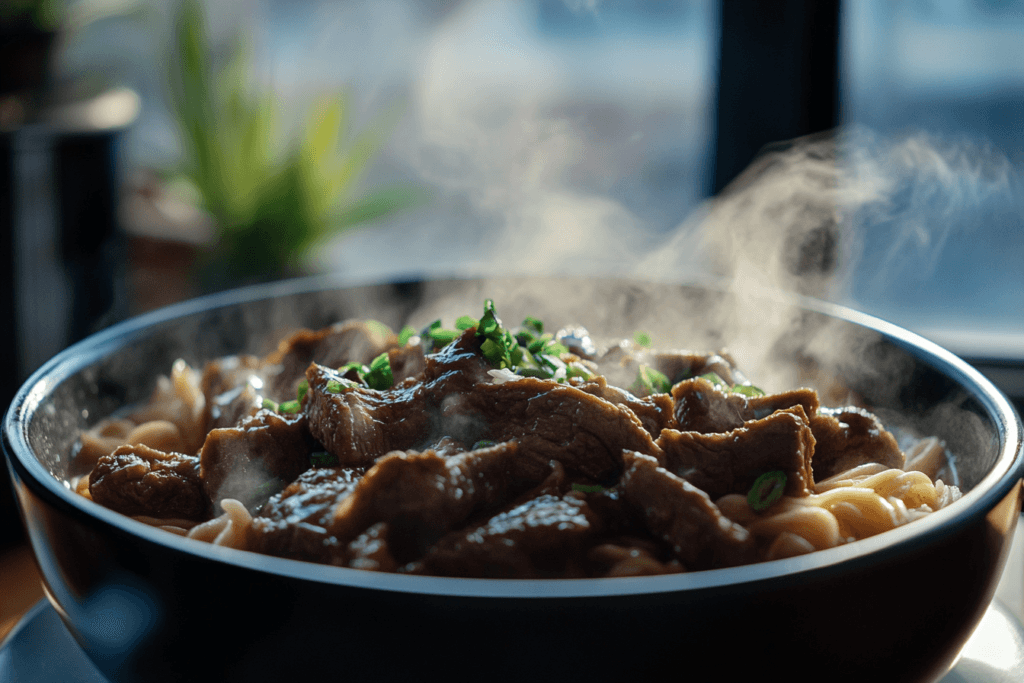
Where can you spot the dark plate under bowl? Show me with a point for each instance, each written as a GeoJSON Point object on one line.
{"type": "Point", "coordinates": [147, 605]}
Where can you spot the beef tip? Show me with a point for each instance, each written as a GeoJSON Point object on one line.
{"type": "Point", "coordinates": [406, 362]}
{"type": "Point", "coordinates": [139, 480]}
{"type": "Point", "coordinates": [701, 407]}
{"type": "Point", "coordinates": [358, 424]}
{"type": "Point", "coordinates": [680, 365]}
{"type": "Point", "coordinates": [683, 516]}
{"type": "Point", "coordinates": [371, 551]}
{"type": "Point", "coordinates": [539, 538]}
{"type": "Point", "coordinates": [240, 462]}
{"type": "Point", "coordinates": [655, 412]}
{"type": "Point", "coordinates": [730, 462]}
{"type": "Point", "coordinates": [230, 386]}
{"type": "Point", "coordinates": [293, 523]}
{"type": "Point", "coordinates": [354, 341]}
{"type": "Point", "coordinates": [424, 495]}
{"type": "Point", "coordinates": [847, 437]}
{"type": "Point", "coordinates": [553, 421]}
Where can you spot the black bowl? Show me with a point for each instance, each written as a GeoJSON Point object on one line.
{"type": "Point", "coordinates": [149, 605]}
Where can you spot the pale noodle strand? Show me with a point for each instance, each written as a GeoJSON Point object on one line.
{"type": "Point", "coordinates": [231, 529]}
{"type": "Point", "coordinates": [815, 525]}
{"type": "Point", "coordinates": [852, 505]}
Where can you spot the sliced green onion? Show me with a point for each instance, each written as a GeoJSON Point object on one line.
{"type": "Point", "coordinates": [290, 407]}
{"type": "Point", "coordinates": [747, 390]}
{"type": "Point", "coordinates": [483, 443]}
{"type": "Point", "coordinates": [378, 328]}
{"type": "Point", "coordinates": [651, 381]}
{"type": "Point", "coordinates": [269, 405]}
{"type": "Point", "coordinates": [588, 488]}
{"type": "Point", "coordinates": [465, 322]}
{"type": "Point", "coordinates": [303, 390]}
{"type": "Point", "coordinates": [358, 368]}
{"type": "Point", "coordinates": [767, 490]}
{"type": "Point", "coordinates": [323, 459]}
{"type": "Point", "coordinates": [442, 337]}
{"type": "Point", "coordinates": [380, 375]}
{"type": "Point", "coordinates": [407, 333]}
{"type": "Point", "coordinates": [577, 370]}
{"type": "Point", "coordinates": [267, 489]}
{"type": "Point", "coordinates": [333, 386]}
{"type": "Point", "coordinates": [499, 347]}
{"type": "Point", "coordinates": [533, 324]}
{"type": "Point", "coordinates": [642, 339]}
{"type": "Point", "coordinates": [715, 379]}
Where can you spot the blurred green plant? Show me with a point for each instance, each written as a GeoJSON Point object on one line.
{"type": "Point", "coordinates": [271, 206]}
{"type": "Point", "coordinates": [45, 15]}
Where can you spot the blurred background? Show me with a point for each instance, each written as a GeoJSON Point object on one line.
{"type": "Point", "coordinates": [867, 152]}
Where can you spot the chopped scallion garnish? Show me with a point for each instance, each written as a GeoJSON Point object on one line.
{"type": "Point", "coordinates": [290, 407]}
{"type": "Point", "coordinates": [483, 443]}
{"type": "Point", "coordinates": [379, 376]}
{"type": "Point", "coordinates": [747, 390]}
{"type": "Point", "coordinates": [533, 325]}
{"type": "Point", "coordinates": [767, 490]}
{"type": "Point", "coordinates": [303, 390]}
{"type": "Point", "coordinates": [465, 322]}
{"type": "Point", "coordinates": [650, 381]}
{"type": "Point", "coordinates": [642, 339]}
{"type": "Point", "coordinates": [588, 488]}
{"type": "Point", "coordinates": [323, 459]}
{"type": "Point", "coordinates": [407, 333]}
{"type": "Point", "coordinates": [269, 405]}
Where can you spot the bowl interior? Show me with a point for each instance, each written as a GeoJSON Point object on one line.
{"type": "Point", "coordinates": [781, 342]}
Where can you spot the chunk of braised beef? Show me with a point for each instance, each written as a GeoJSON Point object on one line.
{"type": "Point", "coordinates": [422, 496]}
{"type": "Point", "coordinates": [701, 407]}
{"type": "Point", "coordinates": [848, 437]}
{"type": "Point", "coordinates": [230, 396]}
{"type": "Point", "coordinates": [354, 341]}
{"type": "Point", "coordinates": [541, 537]}
{"type": "Point", "coordinates": [407, 362]}
{"type": "Point", "coordinates": [553, 421]}
{"type": "Point", "coordinates": [680, 365]}
{"type": "Point", "coordinates": [655, 412]}
{"type": "Point", "coordinates": [293, 523]}
{"type": "Point", "coordinates": [683, 516]}
{"type": "Point", "coordinates": [247, 461]}
{"type": "Point", "coordinates": [358, 424]}
{"type": "Point", "coordinates": [139, 480]}
{"type": "Point", "coordinates": [729, 462]}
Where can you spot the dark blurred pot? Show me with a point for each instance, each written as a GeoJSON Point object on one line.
{"type": "Point", "coordinates": [148, 605]}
